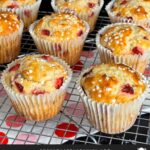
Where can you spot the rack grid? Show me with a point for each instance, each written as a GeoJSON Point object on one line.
{"type": "Point", "coordinates": [17, 130]}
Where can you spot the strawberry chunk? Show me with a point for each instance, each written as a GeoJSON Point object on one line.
{"type": "Point", "coordinates": [79, 33]}
{"type": "Point", "coordinates": [19, 87]}
{"type": "Point", "coordinates": [127, 88]}
{"type": "Point", "coordinates": [27, 13]}
{"type": "Point", "coordinates": [14, 68]}
{"type": "Point", "coordinates": [59, 82]}
{"type": "Point", "coordinates": [47, 57]}
{"type": "Point", "coordinates": [123, 2]}
{"type": "Point", "coordinates": [45, 32]}
{"type": "Point", "coordinates": [91, 5]}
{"type": "Point", "coordinates": [13, 6]}
{"type": "Point", "coordinates": [37, 92]}
{"type": "Point", "coordinates": [137, 50]}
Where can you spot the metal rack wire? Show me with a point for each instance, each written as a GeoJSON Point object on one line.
{"type": "Point", "coordinates": [30, 132]}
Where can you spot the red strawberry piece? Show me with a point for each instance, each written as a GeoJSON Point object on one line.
{"type": "Point", "coordinates": [14, 68]}
{"type": "Point", "coordinates": [59, 82]}
{"type": "Point", "coordinates": [57, 47]}
{"type": "Point", "coordinates": [19, 87]}
{"type": "Point", "coordinates": [46, 57]}
{"type": "Point", "coordinates": [127, 88]}
{"type": "Point", "coordinates": [13, 6]}
{"type": "Point", "coordinates": [123, 2]}
{"type": "Point", "coordinates": [91, 5]}
{"type": "Point", "coordinates": [79, 33]}
{"type": "Point", "coordinates": [145, 38]}
{"type": "Point", "coordinates": [37, 92]}
{"type": "Point", "coordinates": [45, 32]}
{"type": "Point", "coordinates": [27, 13]}
{"type": "Point", "coordinates": [137, 50]}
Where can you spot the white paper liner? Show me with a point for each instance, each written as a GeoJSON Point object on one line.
{"type": "Point", "coordinates": [138, 62]}
{"type": "Point", "coordinates": [111, 118]}
{"type": "Point", "coordinates": [28, 13]}
{"type": "Point", "coordinates": [85, 16]}
{"type": "Point", "coordinates": [37, 107]}
{"type": "Point", "coordinates": [70, 50]}
{"type": "Point", "coordinates": [10, 45]}
{"type": "Point", "coordinates": [114, 18]}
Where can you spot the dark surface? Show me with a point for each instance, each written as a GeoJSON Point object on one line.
{"type": "Point", "coordinates": [45, 6]}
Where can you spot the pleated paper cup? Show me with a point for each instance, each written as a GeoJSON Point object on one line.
{"type": "Point", "coordinates": [10, 45]}
{"type": "Point", "coordinates": [137, 62]}
{"type": "Point", "coordinates": [37, 107]}
{"type": "Point", "coordinates": [113, 18]}
{"type": "Point", "coordinates": [89, 17]}
{"type": "Point", "coordinates": [69, 50]}
{"type": "Point", "coordinates": [28, 13]}
{"type": "Point", "coordinates": [111, 118]}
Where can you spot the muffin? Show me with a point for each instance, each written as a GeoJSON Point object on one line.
{"type": "Point", "coordinates": [36, 85]}
{"type": "Point", "coordinates": [112, 95]}
{"type": "Point", "coordinates": [60, 34]}
{"type": "Point", "coordinates": [130, 11]}
{"type": "Point", "coordinates": [87, 10]}
{"type": "Point", "coordinates": [124, 43]}
{"type": "Point", "coordinates": [10, 36]}
{"type": "Point", "coordinates": [27, 10]}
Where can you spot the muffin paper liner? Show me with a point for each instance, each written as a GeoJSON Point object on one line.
{"type": "Point", "coordinates": [69, 51]}
{"type": "Point", "coordinates": [10, 45]}
{"type": "Point", "coordinates": [113, 18]}
{"type": "Point", "coordinates": [37, 107]}
{"type": "Point", "coordinates": [89, 17]}
{"type": "Point", "coordinates": [111, 118]}
{"type": "Point", "coordinates": [28, 13]}
{"type": "Point", "coordinates": [138, 62]}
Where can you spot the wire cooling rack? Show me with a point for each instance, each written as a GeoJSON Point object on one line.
{"type": "Point", "coordinates": [70, 126]}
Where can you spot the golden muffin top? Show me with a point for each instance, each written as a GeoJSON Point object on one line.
{"type": "Point", "coordinates": [132, 9]}
{"type": "Point", "coordinates": [36, 74]}
{"type": "Point", "coordinates": [15, 3]}
{"type": "Point", "coordinates": [77, 5]}
{"type": "Point", "coordinates": [60, 27]}
{"type": "Point", "coordinates": [126, 39]}
{"type": "Point", "coordinates": [112, 83]}
{"type": "Point", "coordinates": [9, 23]}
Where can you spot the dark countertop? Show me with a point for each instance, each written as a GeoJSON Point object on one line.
{"type": "Point", "coordinates": [45, 6]}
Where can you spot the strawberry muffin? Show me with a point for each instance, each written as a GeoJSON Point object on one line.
{"type": "Point", "coordinates": [36, 85]}
{"type": "Point", "coordinates": [130, 11]}
{"type": "Point", "coordinates": [124, 43]}
{"type": "Point", "coordinates": [112, 95]}
{"type": "Point", "coordinates": [87, 10]}
{"type": "Point", "coordinates": [27, 10]}
{"type": "Point", "coordinates": [60, 34]}
{"type": "Point", "coordinates": [11, 29]}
